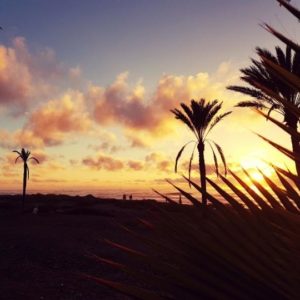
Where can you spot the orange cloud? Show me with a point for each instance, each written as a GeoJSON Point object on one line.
{"type": "Point", "coordinates": [159, 161]}
{"type": "Point", "coordinates": [103, 162]}
{"type": "Point", "coordinates": [130, 108]}
{"type": "Point", "coordinates": [135, 165]}
{"type": "Point", "coordinates": [55, 120]}
{"type": "Point", "coordinates": [25, 76]}
{"type": "Point", "coordinates": [165, 166]}
{"type": "Point", "coordinates": [137, 140]}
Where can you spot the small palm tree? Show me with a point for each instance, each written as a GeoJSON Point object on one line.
{"type": "Point", "coordinates": [25, 156]}
{"type": "Point", "coordinates": [268, 89]}
{"type": "Point", "coordinates": [201, 117]}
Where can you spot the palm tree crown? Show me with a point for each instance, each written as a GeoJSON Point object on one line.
{"type": "Point", "coordinates": [263, 81]}
{"type": "Point", "coordinates": [25, 156]}
{"type": "Point", "coordinates": [268, 89]}
{"type": "Point", "coordinates": [201, 117]}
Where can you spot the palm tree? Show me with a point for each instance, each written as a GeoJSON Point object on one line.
{"type": "Point", "coordinates": [201, 117]}
{"type": "Point", "coordinates": [269, 89]}
{"type": "Point", "coordinates": [25, 156]}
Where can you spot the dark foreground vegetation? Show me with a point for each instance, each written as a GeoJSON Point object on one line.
{"type": "Point", "coordinates": [249, 248]}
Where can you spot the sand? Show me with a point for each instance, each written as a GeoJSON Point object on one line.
{"type": "Point", "coordinates": [43, 255]}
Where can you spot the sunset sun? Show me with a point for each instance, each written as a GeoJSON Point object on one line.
{"type": "Point", "coordinates": [255, 167]}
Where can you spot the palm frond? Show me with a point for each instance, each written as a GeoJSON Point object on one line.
{"type": "Point", "coordinates": [215, 159]}
{"type": "Point", "coordinates": [268, 196]}
{"type": "Point", "coordinates": [290, 190]}
{"type": "Point", "coordinates": [280, 194]}
{"type": "Point", "coordinates": [168, 199]}
{"type": "Point", "coordinates": [35, 159]}
{"type": "Point", "coordinates": [273, 107]}
{"type": "Point", "coordinates": [219, 149]}
{"type": "Point", "coordinates": [187, 195]}
{"type": "Point", "coordinates": [281, 73]}
{"type": "Point", "coordinates": [255, 196]}
{"type": "Point", "coordinates": [191, 161]}
{"type": "Point", "coordinates": [292, 9]}
{"type": "Point", "coordinates": [217, 120]}
{"type": "Point", "coordinates": [237, 206]}
{"type": "Point", "coordinates": [17, 152]}
{"type": "Point", "coordinates": [294, 178]}
{"type": "Point", "coordinates": [212, 199]}
{"type": "Point", "coordinates": [179, 154]}
{"type": "Point", "coordinates": [180, 116]}
{"type": "Point", "coordinates": [249, 203]}
{"type": "Point", "coordinates": [246, 91]}
{"type": "Point", "coordinates": [255, 104]}
{"type": "Point", "coordinates": [286, 128]}
{"type": "Point", "coordinates": [280, 148]}
{"type": "Point", "coordinates": [281, 37]}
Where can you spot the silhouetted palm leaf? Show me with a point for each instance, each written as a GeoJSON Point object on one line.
{"type": "Point", "coordinates": [292, 9]}
{"type": "Point", "coordinates": [281, 37]}
{"type": "Point", "coordinates": [191, 161]}
{"type": "Point", "coordinates": [219, 149]}
{"type": "Point", "coordinates": [254, 104]}
{"type": "Point", "coordinates": [276, 82]}
{"type": "Point", "coordinates": [179, 154]}
{"type": "Point", "coordinates": [215, 159]}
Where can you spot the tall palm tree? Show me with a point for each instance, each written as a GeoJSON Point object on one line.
{"type": "Point", "coordinates": [268, 89]}
{"type": "Point", "coordinates": [25, 156]}
{"type": "Point", "coordinates": [201, 117]}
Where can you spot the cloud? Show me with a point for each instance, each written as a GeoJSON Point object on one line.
{"type": "Point", "coordinates": [129, 107]}
{"type": "Point", "coordinates": [107, 147]}
{"type": "Point", "coordinates": [104, 162]}
{"type": "Point", "coordinates": [75, 73]}
{"type": "Point", "coordinates": [164, 166]}
{"type": "Point", "coordinates": [50, 124]}
{"type": "Point", "coordinates": [6, 140]}
{"type": "Point", "coordinates": [54, 121]}
{"type": "Point", "coordinates": [153, 157]}
{"type": "Point", "coordinates": [73, 162]}
{"type": "Point", "coordinates": [108, 142]}
{"type": "Point", "coordinates": [159, 162]}
{"type": "Point", "coordinates": [119, 104]}
{"type": "Point", "coordinates": [15, 76]}
{"type": "Point", "coordinates": [135, 165]}
{"type": "Point", "coordinates": [25, 76]}
{"type": "Point", "coordinates": [137, 140]}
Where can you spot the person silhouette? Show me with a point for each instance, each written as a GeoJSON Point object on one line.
{"type": "Point", "coordinates": [124, 196]}
{"type": "Point", "coordinates": [130, 197]}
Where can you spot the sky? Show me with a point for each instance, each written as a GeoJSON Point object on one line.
{"type": "Point", "coordinates": [88, 87]}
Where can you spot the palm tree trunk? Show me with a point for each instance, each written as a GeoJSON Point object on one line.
{"type": "Point", "coordinates": [296, 151]}
{"type": "Point", "coordinates": [24, 185]}
{"type": "Point", "coordinates": [202, 171]}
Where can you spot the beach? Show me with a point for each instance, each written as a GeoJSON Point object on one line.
{"type": "Point", "coordinates": [44, 255]}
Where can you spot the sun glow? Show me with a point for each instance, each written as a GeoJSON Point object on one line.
{"type": "Point", "coordinates": [256, 168]}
